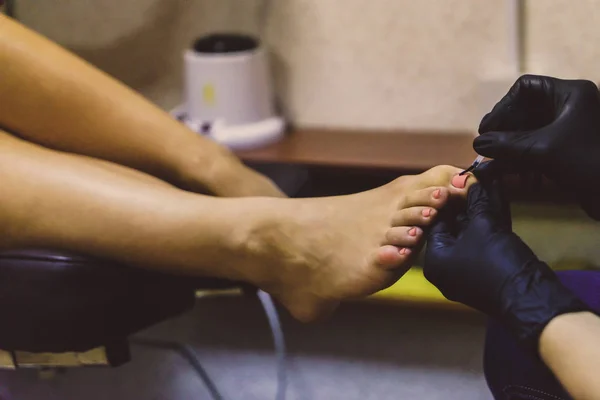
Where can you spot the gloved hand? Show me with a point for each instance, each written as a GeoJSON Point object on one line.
{"type": "Point", "coordinates": [550, 126]}
{"type": "Point", "coordinates": [473, 257]}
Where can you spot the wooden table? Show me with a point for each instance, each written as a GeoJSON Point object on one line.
{"type": "Point", "coordinates": [365, 159]}
{"type": "Point", "coordinates": [399, 151]}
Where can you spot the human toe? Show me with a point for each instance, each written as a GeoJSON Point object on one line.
{"type": "Point", "coordinates": [434, 197]}
{"type": "Point", "coordinates": [414, 216]}
{"type": "Point", "coordinates": [403, 236]}
{"type": "Point", "coordinates": [391, 257]}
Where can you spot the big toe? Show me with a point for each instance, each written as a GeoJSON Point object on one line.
{"type": "Point", "coordinates": [460, 181]}
{"type": "Point", "coordinates": [440, 175]}
{"type": "Point", "coordinates": [460, 184]}
{"type": "Point", "coordinates": [449, 177]}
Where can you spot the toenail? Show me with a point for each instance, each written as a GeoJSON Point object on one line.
{"type": "Point", "coordinates": [426, 212]}
{"type": "Point", "coordinates": [460, 181]}
{"type": "Point", "coordinates": [412, 231]}
{"type": "Point", "coordinates": [404, 251]}
{"type": "Point", "coordinates": [437, 193]}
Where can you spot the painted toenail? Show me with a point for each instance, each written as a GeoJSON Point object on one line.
{"type": "Point", "coordinates": [404, 251]}
{"type": "Point", "coordinates": [412, 231]}
{"type": "Point", "coordinates": [460, 181]}
{"type": "Point", "coordinates": [426, 212]}
{"type": "Point", "coordinates": [437, 193]}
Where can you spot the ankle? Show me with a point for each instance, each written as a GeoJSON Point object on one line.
{"type": "Point", "coordinates": [256, 243]}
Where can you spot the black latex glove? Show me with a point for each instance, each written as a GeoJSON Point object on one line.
{"type": "Point", "coordinates": [473, 257]}
{"type": "Point", "coordinates": [551, 126]}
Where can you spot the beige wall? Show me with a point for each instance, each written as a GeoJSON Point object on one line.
{"type": "Point", "coordinates": [564, 38]}
{"type": "Point", "coordinates": [347, 63]}
{"type": "Point", "coordinates": [356, 63]}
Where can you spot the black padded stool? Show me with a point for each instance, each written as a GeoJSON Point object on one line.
{"type": "Point", "coordinates": [59, 309]}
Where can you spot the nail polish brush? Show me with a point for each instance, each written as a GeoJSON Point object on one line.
{"type": "Point", "coordinates": [475, 164]}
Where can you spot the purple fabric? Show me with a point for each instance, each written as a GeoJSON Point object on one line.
{"type": "Point", "coordinates": [586, 284]}
{"type": "Point", "coordinates": [513, 374]}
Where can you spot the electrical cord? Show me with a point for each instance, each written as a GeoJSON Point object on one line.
{"type": "Point", "coordinates": [278, 341]}
{"type": "Point", "coordinates": [189, 354]}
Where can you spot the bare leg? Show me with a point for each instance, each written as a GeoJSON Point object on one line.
{"type": "Point", "coordinates": [310, 253]}
{"type": "Point", "coordinates": [64, 201]}
{"type": "Point", "coordinates": [51, 97]}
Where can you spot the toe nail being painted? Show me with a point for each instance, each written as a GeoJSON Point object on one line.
{"type": "Point", "coordinates": [460, 181]}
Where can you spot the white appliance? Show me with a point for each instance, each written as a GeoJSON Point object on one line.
{"type": "Point", "coordinates": [229, 93]}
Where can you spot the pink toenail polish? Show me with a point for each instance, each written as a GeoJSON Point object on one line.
{"type": "Point", "coordinates": [426, 212]}
{"type": "Point", "coordinates": [460, 181]}
{"type": "Point", "coordinates": [437, 193]}
{"type": "Point", "coordinates": [412, 231]}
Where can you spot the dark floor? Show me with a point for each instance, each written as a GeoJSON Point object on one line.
{"type": "Point", "coordinates": [364, 352]}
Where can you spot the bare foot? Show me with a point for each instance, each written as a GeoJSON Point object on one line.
{"type": "Point", "coordinates": [328, 249]}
